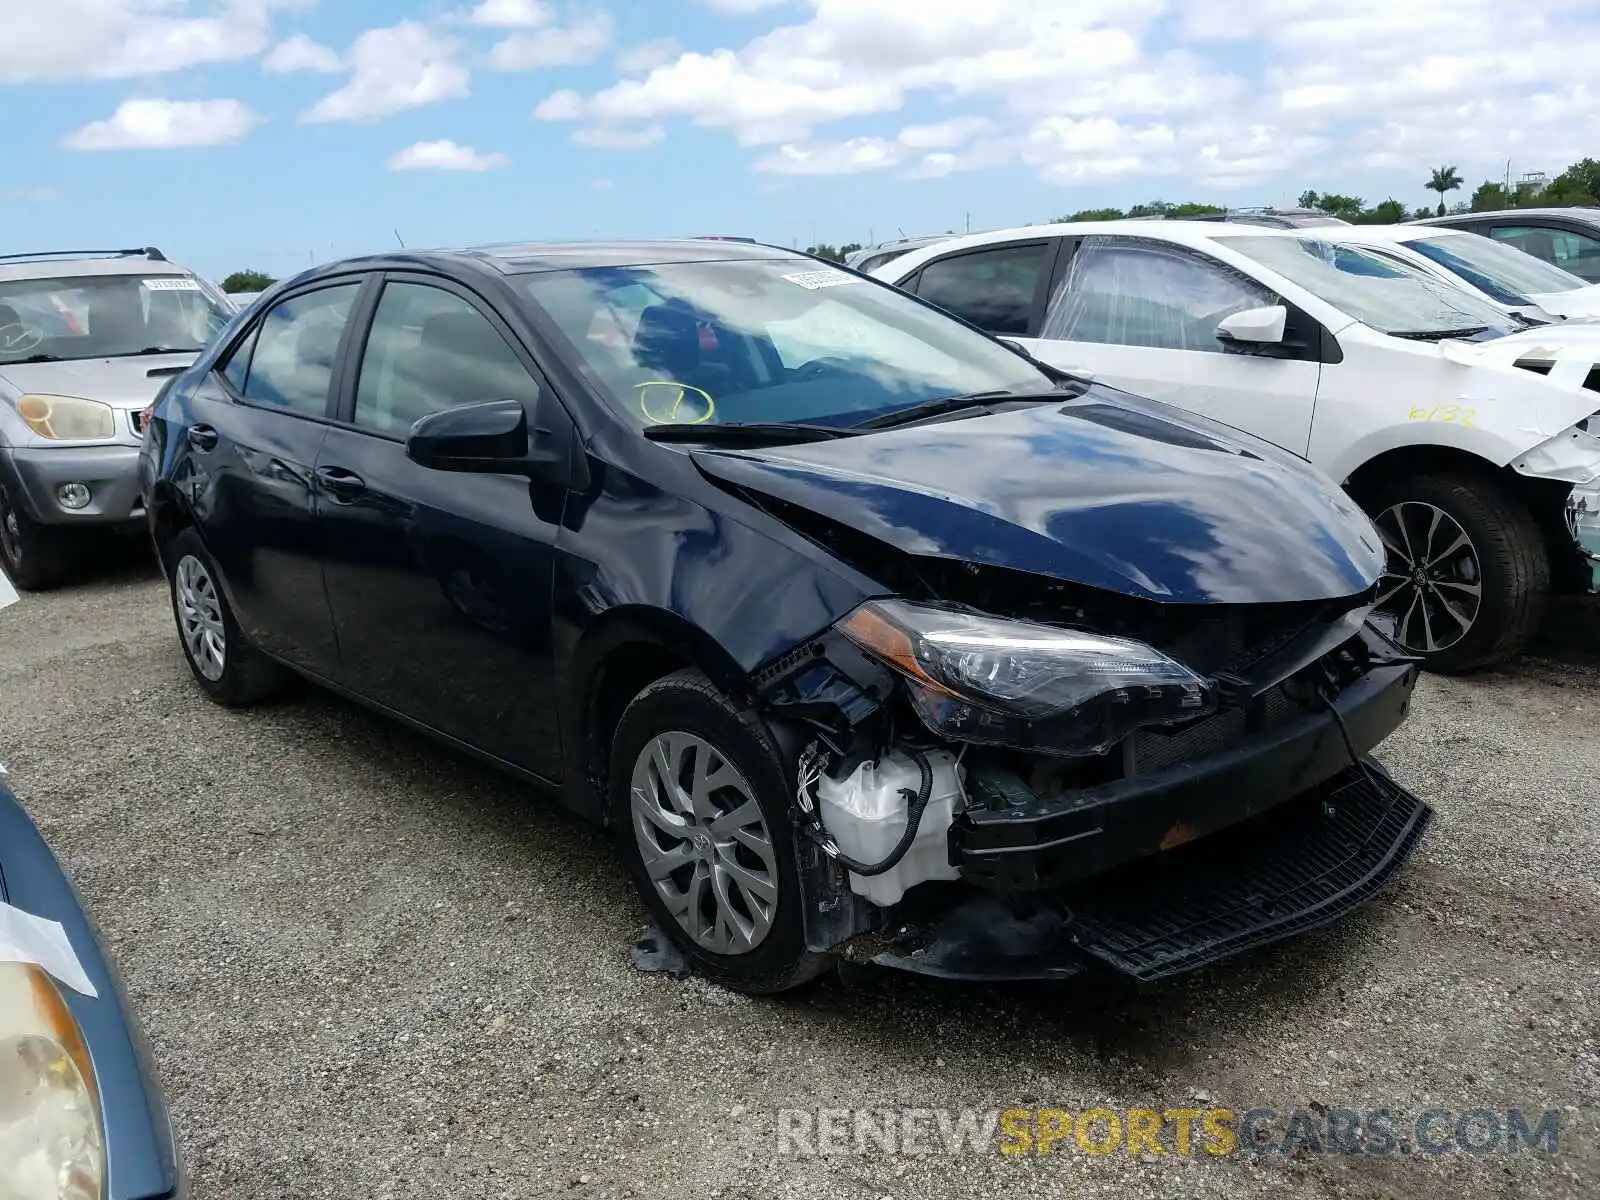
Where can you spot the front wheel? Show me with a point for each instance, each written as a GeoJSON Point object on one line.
{"type": "Point", "coordinates": [35, 556]}
{"type": "Point", "coordinates": [699, 809]}
{"type": "Point", "coordinates": [227, 668]}
{"type": "Point", "coordinates": [1467, 579]}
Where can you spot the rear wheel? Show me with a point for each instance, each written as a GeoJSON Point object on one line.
{"type": "Point", "coordinates": [1467, 581]}
{"type": "Point", "coordinates": [225, 665]}
{"type": "Point", "coordinates": [699, 809]}
{"type": "Point", "coordinates": [35, 556]}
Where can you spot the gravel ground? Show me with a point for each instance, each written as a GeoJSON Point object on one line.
{"type": "Point", "coordinates": [372, 969]}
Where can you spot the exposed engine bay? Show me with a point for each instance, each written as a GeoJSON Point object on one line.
{"type": "Point", "coordinates": [961, 777]}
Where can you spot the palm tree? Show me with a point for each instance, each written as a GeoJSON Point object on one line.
{"type": "Point", "coordinates": [1445, 179]}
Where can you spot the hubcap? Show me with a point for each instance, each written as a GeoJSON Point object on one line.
{"type": "Point", "coordinates": [704, 842]}
{"type": "Point", "coordinates": [10, 530]}
{"type": "Point", "coordinates": [200, 617]}
{"type": "Point", "coordinates": [1433, 583]}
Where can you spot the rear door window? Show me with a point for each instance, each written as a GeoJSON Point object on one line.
{"type": "Point", "coordinates": [295, 349]}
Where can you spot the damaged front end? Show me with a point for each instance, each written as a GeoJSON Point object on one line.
{"type": "Point", "coordinates": [1095, 779]}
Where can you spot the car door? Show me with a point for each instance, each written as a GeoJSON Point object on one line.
{"type": "Point", "coordinates": [440, 582]}
{"type": "Point", "coordinates": [256, 425]}
{"type": "Point", "coordinates": [1142, 315]}
{"type": "Point", "coordinates": [1001, 289]}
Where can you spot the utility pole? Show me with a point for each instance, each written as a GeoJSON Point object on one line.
{"type": "Point", "coordinates": [969, 222]}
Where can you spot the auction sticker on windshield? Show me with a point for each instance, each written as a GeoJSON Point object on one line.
{"type": "Point", "coordinates": [172, 283]}
{"type": "Point", "coordinates": [813, 280]}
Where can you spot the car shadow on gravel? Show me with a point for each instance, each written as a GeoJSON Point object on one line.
{"type": "Point", "coordinates": [516, 827]}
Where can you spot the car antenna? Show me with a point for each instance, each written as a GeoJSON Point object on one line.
{"type": "Point", "coordinates": [399, 239]}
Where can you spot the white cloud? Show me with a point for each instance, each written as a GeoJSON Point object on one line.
{"type": "Point", "coordinates": [444, 156]}
{"type": "Point", "coordinates": [874, 153]}
{"type": "Point", "coordinates": [565, 105]}
{"type": "Point", "coordinates": [58, 40]}
{"type": "Point", "coordinates": [300, 53]}
{"type": "Point", "coordinates": [601, 185]}
{"type": "Point", "coordinates": [166, 124]}
{"type": "Point", "coordinates": [30, 195]}
{"type": "Point", "coordinates": [647, 56]}
{"type": "Point", "coordinates": [510, 14]}
{"type": "Point", "coordinates": [404, 66]}
{"type": "Point", "coordinates": [742, 6]}
{"type": "Point", "coordinates": [555, 45]}
{"type": "Point", "coordinates": [1218, 96]}
{"type": "Point", "coordinates": [607, 137]}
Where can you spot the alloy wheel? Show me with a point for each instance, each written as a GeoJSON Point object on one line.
{"type": "Point", "coordinates": [200, 617]}
{"type": "Point", "coordinates": [1433, 581]}
{"type": "Point", "coordinates": [704, 843]}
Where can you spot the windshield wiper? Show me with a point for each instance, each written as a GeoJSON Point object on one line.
{"type": "Point", "coordinates": [1439, 335]}
{"type": "Point", "coordinates": [747, 433]}
{"type": "Point", "coordinates": [35, 358]}
{"type": "Point", "coordinates": [159, 350]}
{"type": "Point", "coordinates": [953, 404]}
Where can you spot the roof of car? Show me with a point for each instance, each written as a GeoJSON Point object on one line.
{"type": "Point", "coordinates": [70, 268]}
{"type": "Point", "coordinates": [1186, 233]}
{"type": "Point", "coordinates": [523, 258]}
{"type": "Point", "coordinates": [1588, 213]}
{"type": "Point", "coordinates": [1386, 234]}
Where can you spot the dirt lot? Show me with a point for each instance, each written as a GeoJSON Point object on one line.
{"type": "Point", "coordinates": [372, 969]}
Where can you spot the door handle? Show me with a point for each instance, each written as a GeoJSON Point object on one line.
{"type": "Point", "coordinates": [202, 438]}
{"type": "Point", "coordinates": [341, 484]}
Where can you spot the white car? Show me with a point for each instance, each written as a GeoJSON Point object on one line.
{"type": "Point", "coordinates": [1474, 445]}
{"type": "Point", "coordinates": [1510, 279]}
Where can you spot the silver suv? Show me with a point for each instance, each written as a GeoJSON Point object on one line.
{"type": "Point", "coordinates": [87, 339]}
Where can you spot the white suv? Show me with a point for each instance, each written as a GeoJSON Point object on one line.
{"type": "Point", "coordinates": [1473, 442]}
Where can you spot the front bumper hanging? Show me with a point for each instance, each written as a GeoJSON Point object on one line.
{"type": "Point", "coordinates": [1303, 865]}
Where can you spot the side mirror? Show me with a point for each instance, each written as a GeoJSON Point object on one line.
{"type": "Point", "coordinates": [1255, 326]}
{"type": "Point", "coordinates": [491, 437]}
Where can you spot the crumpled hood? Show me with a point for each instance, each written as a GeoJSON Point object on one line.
{"type": "Point", "coordinates": [1106, 490]}
{"type": "Point", "coordinates": [1580, 304]}
{"type": "Point", "coordinates": [120, 382]}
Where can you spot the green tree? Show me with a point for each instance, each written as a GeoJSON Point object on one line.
{"type": "Point", "coordinates": [1309, 199]}
{"type": "Point", "coordinates": [1093, 214]}
{"type": "Point", "coordinates": [1444, 179]}
{"type": "Point", "coordinates": [1335, 205]}
{"type": "Point", "coordinates": [831, 253]}
{"type": "Point", "coordinates": [1385, 212]}
{"type": "Point", "coordinates": [848, 249]}
{"type": "Point", "coordinates": [248, 281]}
{"type": "Point", "coordinates": [1579, 184]}
{"type": "Point", "coordinates": [1489, 197]}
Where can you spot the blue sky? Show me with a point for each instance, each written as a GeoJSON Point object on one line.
{"type": "Point", "coordinates": [275, 133]}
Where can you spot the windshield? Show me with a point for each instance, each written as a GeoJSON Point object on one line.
{"type": "Point", "coordinates": [1390, 296]}
{"type": "Point", "coordinates": [769, 340]}
{"type": "Point", "coordinates": [106, 316]}
{"type": "Point", "coordinates": [1504, 272]}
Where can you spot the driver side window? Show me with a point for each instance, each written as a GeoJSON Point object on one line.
{"type": "Point", "coordinates": [1147, 294]}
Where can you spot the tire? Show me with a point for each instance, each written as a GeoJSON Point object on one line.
{"type": "Point", "coordinates": [228, 669]}
{"type": "Point", "coordinates": [1503, 539]}
{"type": "Point", "coordinates": [35, 556]}
{"type": "Point", "coordinates": [686, 718]}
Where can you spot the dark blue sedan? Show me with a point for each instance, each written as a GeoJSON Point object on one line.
{"type": "Point", "coordinates": [81, 1114]}
{"type": "Point", "coordinates": [846, 618]}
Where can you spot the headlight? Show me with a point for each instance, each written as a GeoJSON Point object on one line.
{"type": "Point", "coordinates": [1015, 683]}
{"type": "Point", "coordinates": [51, 1143]}
{"type": "Point", "coordinates": [67, 418]}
